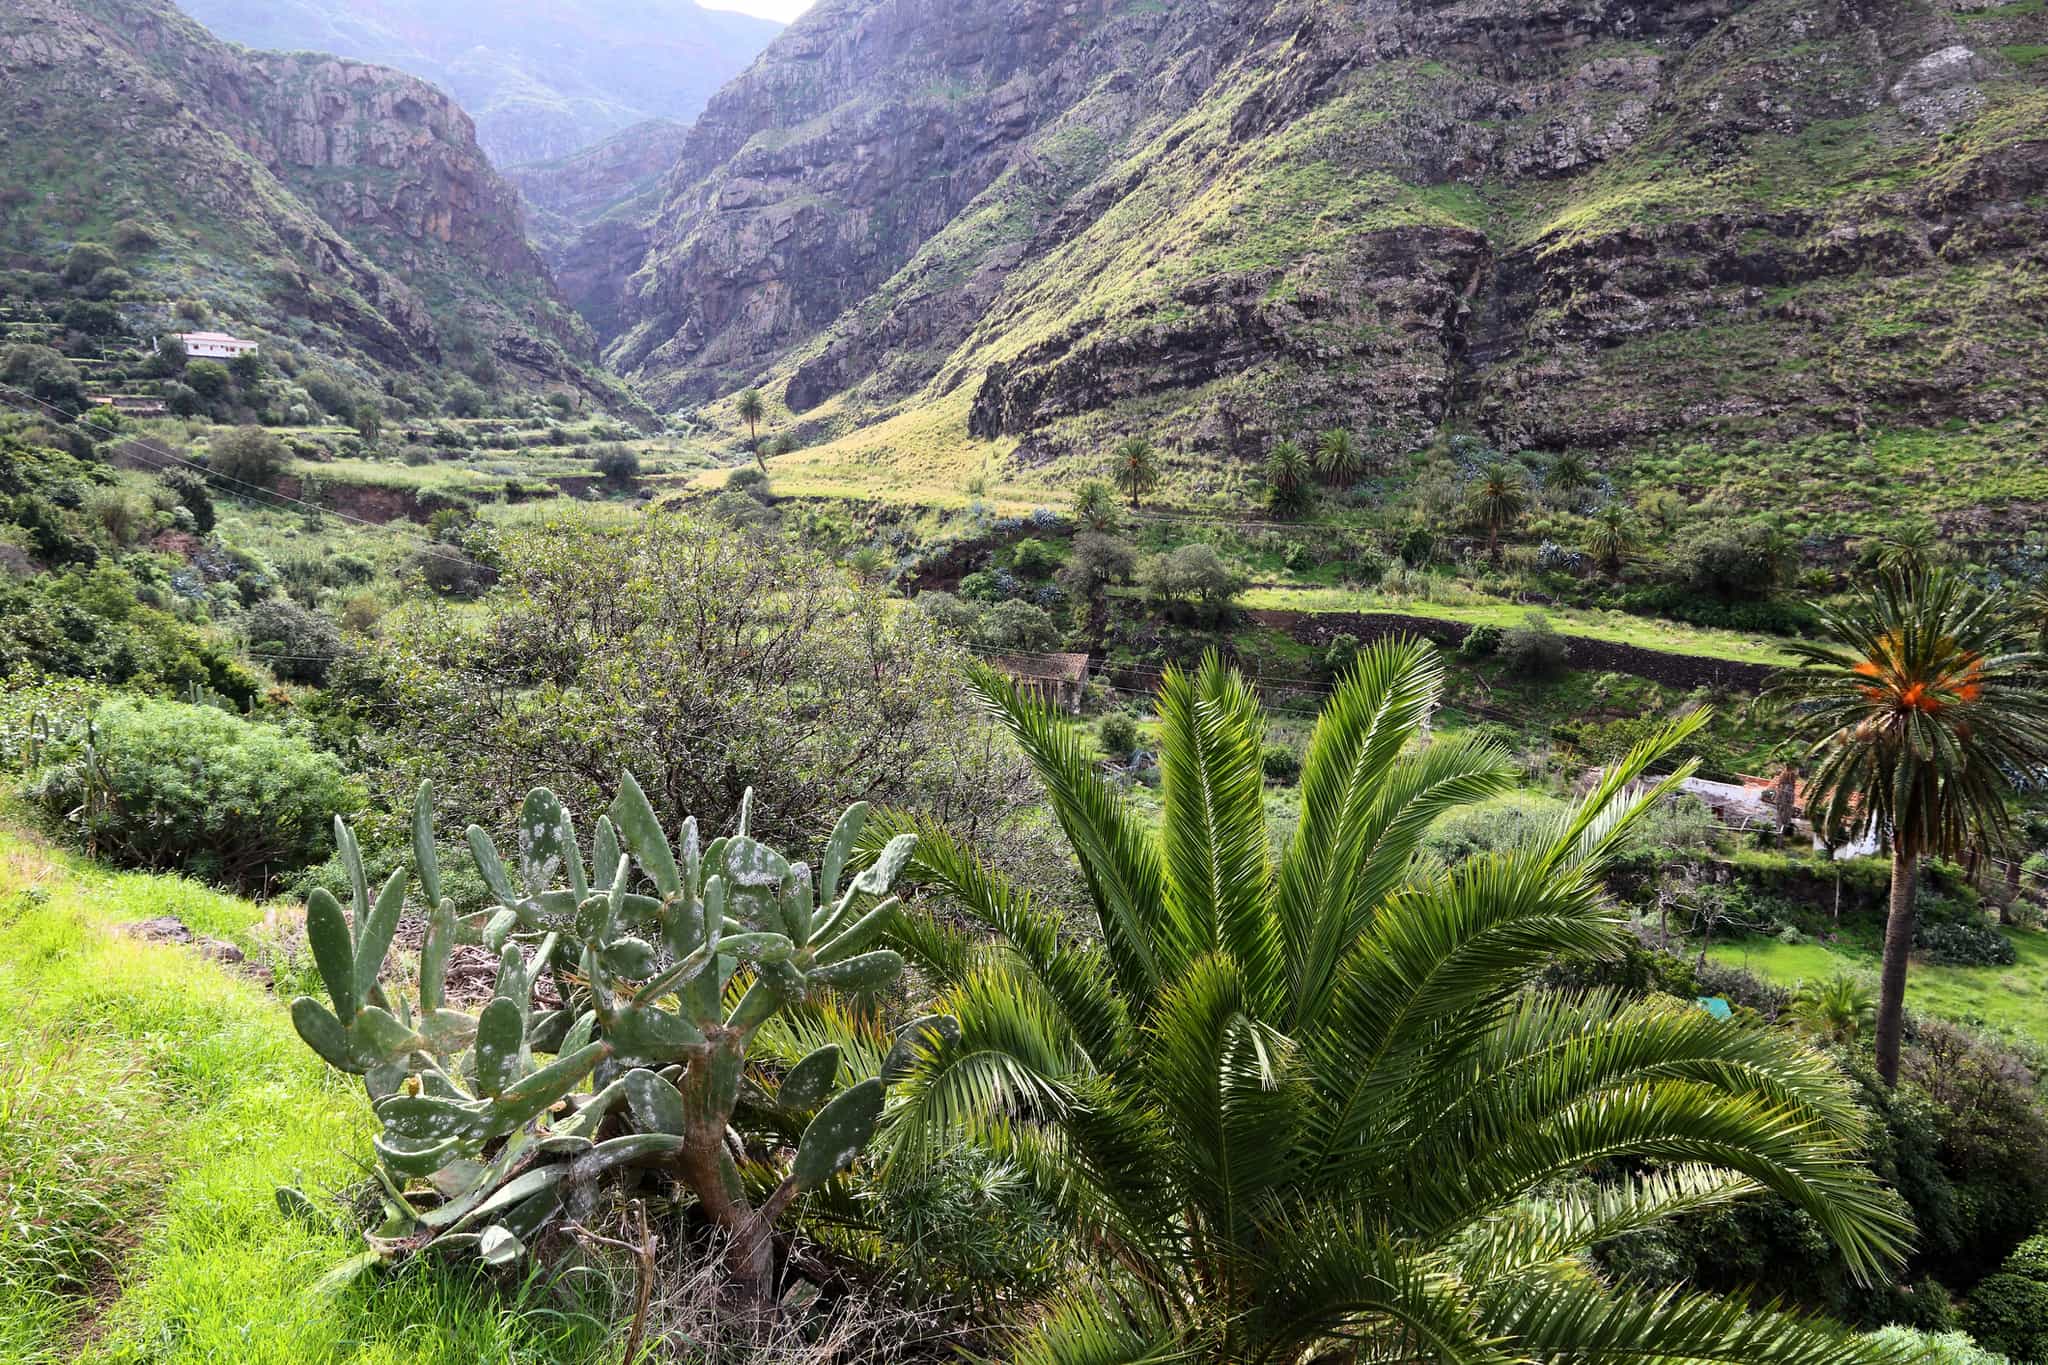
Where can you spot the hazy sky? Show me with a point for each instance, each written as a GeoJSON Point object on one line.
{"type": "Point", "coordinates": [785, 10]}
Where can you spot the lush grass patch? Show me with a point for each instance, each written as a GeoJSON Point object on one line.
{"type": "Point", "coordinates": [1615, 627]}
{"type": "Point", "coordinates": [2005, 999]}
{"type": "Point", "coordinates": [150, 1104]}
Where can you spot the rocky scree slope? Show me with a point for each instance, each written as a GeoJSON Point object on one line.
{"type": "Point", "coordinates": [543, 78]}
{"type": "Point", "coordinates": [1575, 224]}
{"type": "Point", "coordinates": [345, 205]}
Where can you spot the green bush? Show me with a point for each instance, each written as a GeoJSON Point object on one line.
{"type": "Point", "coordinates": [1934, 1348]}
{"type": "Point", "coordinates": [163, 785]}
{"type": "Point", "coordinates": [1017, 625]}
{"type": "Point", "coordinates": [2009, 1313]}
{"type": "Point", "coordinates": [1482, 642]}
{"type": "Point", "coordinates": [1280, 764]}
{"type": "Point", "coordinates": [1033, 558]}
{"type": "Point", "coordinates": [1534, 651]}
{"type": "Point", "coordinates": [1963, 944]}
{"type": "Point", "coordinates": [299, 645]}
{"type": "Point", "coordinates": [247, 455]}
{"type": "Point", "coordinates": [1118, 734]}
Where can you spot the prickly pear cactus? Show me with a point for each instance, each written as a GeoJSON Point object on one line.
{"type": "Point", "coordinates": [493, 1123]}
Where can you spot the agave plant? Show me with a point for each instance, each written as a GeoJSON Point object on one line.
{"type": "Point", "coordinates": [1312, 1107]}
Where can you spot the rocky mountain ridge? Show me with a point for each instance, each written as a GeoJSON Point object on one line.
{"type": "Point", "coordinates": [1582, 224]}
{"type": "Point", "coordinates": [544, 79]}
{"type": "Point", "coordinates": [343, 203]}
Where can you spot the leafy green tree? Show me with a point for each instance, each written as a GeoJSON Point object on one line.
{"type": "Point", "coordinates": [1314, 1106]}
{"type": "Point", "coordinates": [813, 689]}
{"type": "Point", "coordinates": [1919, 710]}
{"type": "Point", "coordinates": [209, 379]}
{"type": "Point", "coordinates": [751, 409]}
{"type": "Point", "coordinates": [1136, 468]}
{"type": "Point", "coordinates": [1287, 480]}
{"type": "Point", "coordinates": [1339, 458]}
{"type": "Point", "coordinates": [369, 419]}
{"type": "Point", "coordinates": [1191, 583]}
{"type": "Point", "coordinates": [1095, 562]}
{"type": "Point", "coordinates": [44, 373]}
{"type": "Point", "coordinates": [1497, 500]}
{"type": "Point", "coordinates": [1613, 537]}
{"type": "Point", "coordinates": [86, 260]}
{"type": "Point", "coordinates": [1095, 507]}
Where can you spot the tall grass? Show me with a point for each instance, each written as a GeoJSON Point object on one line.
{"type": "Point", "coordinates": [150, 1105]}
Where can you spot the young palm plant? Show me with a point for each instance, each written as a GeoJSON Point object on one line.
{"type": "Point", "coordinates": [1314, 1108]}
{"type": "Point", "coordinates": [1338, 457]}
{"type": "Point", "coordinates": [1920, 712]}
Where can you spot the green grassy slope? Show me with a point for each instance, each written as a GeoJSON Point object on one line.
{"type": "Point", "coordinates": [150, 1104]}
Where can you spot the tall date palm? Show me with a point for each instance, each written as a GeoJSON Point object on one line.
{"type": "Point", "coordinates": [1312, 1108]}
{"type": "Point", "coordinates": [1920, 711]}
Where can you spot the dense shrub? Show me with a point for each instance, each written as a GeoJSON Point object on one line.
{"type": "Point", "coordinates": [2009, 1313]}
{"type": "Point", "coordinates": [1534, 650]}
{"type": "Point", "coordinates": [580, 670]}
{"type": "Point", "coordinates": [1964, 944]}
{"type": "Point", "coordinates": [44, 373]}
{"type": "Point", "coordinates": [247, 455]}
{"type": "Point", "coordinates": [189, 487]}
{"type": "Point", "coordinates": [1934, 1348]}
{"type": "Point", "coordinates": [1280, 764]}
{"type": "Point", "coordinates": [1739, 560]}
{"type": "Point", "coordinates": [1096, 561]}
{"type": "Point", "coordinates": [1033, 558]}
{"type": "Point", "coordinates": [1481, 642]}
{"type": "Point", "coordinates": [1118, 734]}
{"type": "Point", "coordinates": [299, 645]}
{"type": "Point", "coordinates": [449, 571]}
{"type": "Point", "coordinates": [618, 464]}
{"type": "Point", "coordinates": [193, 788]}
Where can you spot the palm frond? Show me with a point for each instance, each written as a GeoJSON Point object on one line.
{"type": "Point", "coordinates": [1213, 826]}
{"type": "Point", "coordinates": [1576, 1322]}
{"type": "Point", "coordinates": [1070, 971]}
{"type": "Point", "coordinates": [1117, 858]}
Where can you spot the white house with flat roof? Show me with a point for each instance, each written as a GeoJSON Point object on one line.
{"type": "Point", "coordinates": [214, 345]}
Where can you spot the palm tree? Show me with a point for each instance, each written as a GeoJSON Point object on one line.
{"type": "Point", "coordinates": [1287, 479]}
{"type": "Point", "coordinates": [1338, 457]}
{"type": "Point", "coordinates": [1498, 498]}
{"type": "Point", "coordinates": [751, 409]}
{"type": "Point", "coordinates": [1919, 711]}
{"type": "Point", "coordinates": [1909, 549]}
{"type": "Point", "coordinates": [1840, 1009]}
{"type": "Point", "coordinates": [1570, 474]}
{"type": "Point", "coordinates": [1315, 1108]}
{"type": "Point", "coordinates": [1613, 537]}
{"type": "Point", "coordinates": [1137, 468]}
{"type": "Point", "coordinates": [1095, 506]}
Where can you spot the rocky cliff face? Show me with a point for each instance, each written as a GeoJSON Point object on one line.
{"type": "Point", "coordinates": [590, 214]}
{"type": "Point", "coordinates": [356, 193]}
{"type": "Point", "coordinates": [543, 78]}
{"type": "Point", "coordinates": [1584, 223]}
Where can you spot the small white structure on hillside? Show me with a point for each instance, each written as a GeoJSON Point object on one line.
{"type": "Point", "coordinates": [215, 345]}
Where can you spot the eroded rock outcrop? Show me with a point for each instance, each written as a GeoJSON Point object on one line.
{"type": "Point", "coordinates": [1583, 223]}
